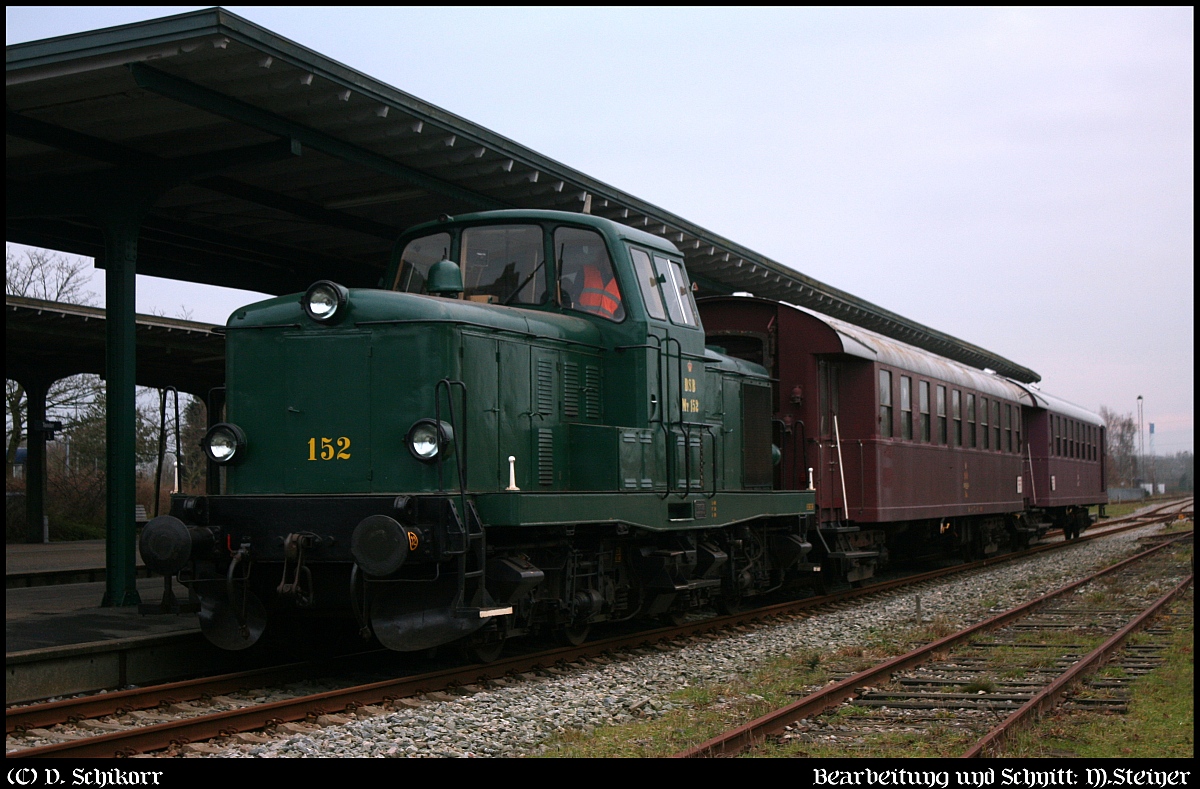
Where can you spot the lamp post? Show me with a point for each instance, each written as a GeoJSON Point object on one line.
{"type": "Point", "coordinates": [1141, 444]}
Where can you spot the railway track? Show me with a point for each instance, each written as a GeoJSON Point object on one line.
{"type": "Point", "coordinates": [211, 707]}
{"type": "Point", "coordinates": [976, 687]}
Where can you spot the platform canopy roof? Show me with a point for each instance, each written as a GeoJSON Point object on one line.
{"type": "Point", "coordinates": [274, 166]}
{"type": "Point", "coordinates": [48, 340]}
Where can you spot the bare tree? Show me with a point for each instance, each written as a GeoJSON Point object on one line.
{"type": "Point", "coordinates": [1120, 431]}
{"type": "Point", "coordinates": [41, 274]}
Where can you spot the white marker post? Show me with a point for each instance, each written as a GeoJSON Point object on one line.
{"type": "Point", "coordinates": [512, 473]}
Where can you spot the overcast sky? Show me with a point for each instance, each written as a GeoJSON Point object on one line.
{"type": "Point", "coordinates": [1019, 178]}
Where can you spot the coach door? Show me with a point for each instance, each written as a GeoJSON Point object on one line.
{"type": "Point", "coordinates": [829, 482]}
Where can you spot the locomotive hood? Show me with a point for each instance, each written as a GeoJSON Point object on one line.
{"type": "Point", "coordinates": [366, 307]}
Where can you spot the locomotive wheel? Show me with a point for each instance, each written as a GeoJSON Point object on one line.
{"type": "Point", "coordinates": [730, 605]}
{"type": "Point", "coordinates": [219, 621]}
{"type": "Point", "coordinates": [573, 635]}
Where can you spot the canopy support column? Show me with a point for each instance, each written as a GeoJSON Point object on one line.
{"type": "Point", "coordinates": [121, 228]}
{"type": "Point", "coordinates": [35, 459]}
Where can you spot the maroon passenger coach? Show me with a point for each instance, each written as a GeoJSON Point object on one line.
{"type": "Point", "coordinates": [912, 455]}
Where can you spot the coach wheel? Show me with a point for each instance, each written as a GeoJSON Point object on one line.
{"type": "Point", "coordinates": [574, 634]}
{"type": "Point", "coordinates": [479, 650]}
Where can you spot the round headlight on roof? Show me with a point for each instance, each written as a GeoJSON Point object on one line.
{"type": "Point", "coordinates": [324, 300]}
{"type": "Point", "coordinates": [223, 442]}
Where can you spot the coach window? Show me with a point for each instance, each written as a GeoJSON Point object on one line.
{"type": "Point", "coordinates": [885, 404]}
{"type": "Point", "coordinates": [956, 409]}
{"type": "Point", "coordinates": [648, 282]}
{"type": "Point", "coordinates": [1017, 428]}
{"type": "Point", "coordinates": [923, 399]}
{"type": "Point", "coordinates": [983, 423]}
{"type": "Point", "coordinates": [905, 407]}
{"type": "Point", "coordinates": [941, 413]}
{"type": "Point", "coordinates": [1057, 437]}
{"type": "Point", "coordinates": [996, 423]}
{"type": "Point", "coordinates": [1008, 426]}
{"type": "Point", "coordinates": [971, 421]}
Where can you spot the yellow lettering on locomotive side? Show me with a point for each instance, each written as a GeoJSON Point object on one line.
{"type": "Point", "coordinates": [327, 449]}
{"type": "Point", "coordinates": [413, 541]}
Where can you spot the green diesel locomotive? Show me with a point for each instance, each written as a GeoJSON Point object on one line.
{"type": "Point", "coordinates": [521, 430]}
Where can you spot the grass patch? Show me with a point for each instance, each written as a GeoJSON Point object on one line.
{"type": "Point", "coordinates": [699, 713]}
{"type": "Point", "coordinates": [1160, 721]}
{"type": "Point", "coordinates": [1178, 525]}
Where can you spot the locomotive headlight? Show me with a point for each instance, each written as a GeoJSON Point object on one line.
{"type": "Point", "coordinates": [324, 300]}
{"type": "Point", "coordinates": [426, 438]}
{"type": "Point", "coordinates": [223, 442]}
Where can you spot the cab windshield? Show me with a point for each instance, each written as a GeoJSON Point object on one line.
{"type": "Point", "coordinates": [500, 264]}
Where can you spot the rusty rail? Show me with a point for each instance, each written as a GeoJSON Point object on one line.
{"type": "Point", "coordinates": [756, 731]}
{"type": "Point", "coordinates": [1049, 695]}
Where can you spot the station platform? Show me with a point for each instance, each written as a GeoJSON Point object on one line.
{"type": "Point", "coordinates": [69, 615]}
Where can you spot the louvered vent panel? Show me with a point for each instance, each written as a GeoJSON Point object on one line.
{"type": "Point", "coordinates": [571, 390]}
{"type": "Point", "coordinates": [591, 388]}
{"type": "Point", "coordinates": [545, 386]}
{"type": "Point", "coordinates": [545, 440]}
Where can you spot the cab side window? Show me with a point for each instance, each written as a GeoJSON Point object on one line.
{"type": "Point", "coordinates": [585, 274]}
{"type": "Point", "coordinates": [676, 290]}
{"type": "Point", "coordinates": [648, 282]}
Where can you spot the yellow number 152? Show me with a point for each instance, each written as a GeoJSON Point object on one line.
{"type": "Point", "coordinates": [326, 449]}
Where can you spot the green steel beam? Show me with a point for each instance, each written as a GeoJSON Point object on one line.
{"type": "Point", "coordinates": [152, 167]}
{"type": "Point", "coordinates": [210, 101]}
{"type": "Point", "coordinates": [300, 208]}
